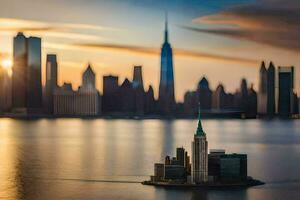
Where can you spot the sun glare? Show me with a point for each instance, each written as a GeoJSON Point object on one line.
{"type": "Point", "coordinates": [6, 63]}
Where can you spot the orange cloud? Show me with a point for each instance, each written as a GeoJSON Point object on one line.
{"type": "Point", "coordinates": [156, 51]}
{"type": "Point", "coordinates": [273, 23]}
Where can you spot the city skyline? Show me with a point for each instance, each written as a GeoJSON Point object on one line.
{"type": "Point", "coordinates": [195, 55]}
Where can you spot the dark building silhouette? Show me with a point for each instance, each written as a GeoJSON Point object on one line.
{"type": "Point", "coordinates": [51, 82]}
{"type": "Point", "coordinates": [27, 84]}
{"type": "Point", "coordinates": [5, 90]}
{"type": "Point", "coordinates": [166, 85]}
{"type": "Point", "coordinates": [285, 91]}
{"type": "Point", "coordinates": [139, 92]}
{"type": "Point", "coordinates": [34, 75]}
{"type": "Point", "coordinates": [191, 102]}
{"type": "Point", "coordinates": [251, 111]}
{"type": "Point", "coordinates": [110, 100]}
{"type": "Point", "coordinates": [84, 102]}
{"type": "Point", "coordinates": [263, 90]}
{"type": "Point", "coordinates": [271, 90]}
{"type": "Point", "coordinates": [219, 98]}
{"type": "Point", "coordinates": [88, 79]}
{"type": "Point", "coordinates": [19, 75]}
{"type": "Point", "coordinates": [127, 97]}
{"type": "Point", "coordinates": [296, 105]}
{"type": "Point", "coordinates": [150, 103]}
{"type": "Point", "coordinates": [204, 94]}
{"type": "Point", "coordinates": [244, 95]}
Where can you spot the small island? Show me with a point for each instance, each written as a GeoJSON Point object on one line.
{"type": "Point", "coordinates": [214, 170]}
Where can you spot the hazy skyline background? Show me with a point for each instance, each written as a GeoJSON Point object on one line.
{"type": "Point", "coordinates": [224, 40]}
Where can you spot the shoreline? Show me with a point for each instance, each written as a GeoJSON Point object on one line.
{"type": "Point", "coordinates": [249, 183]}
{"type": "Point", "coordinates": [132, 117]}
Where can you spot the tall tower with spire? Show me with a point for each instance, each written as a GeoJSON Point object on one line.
{"type": "Point", "coordinates": [199, 155]}
{"type": "Point", "coordinates": [166, 85]}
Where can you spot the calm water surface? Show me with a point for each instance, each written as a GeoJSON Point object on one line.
{"type": "Point", "coordinates": [105, 159]}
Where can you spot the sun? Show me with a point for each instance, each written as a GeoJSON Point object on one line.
{"type": "Point", "coordinates": [7, 64]}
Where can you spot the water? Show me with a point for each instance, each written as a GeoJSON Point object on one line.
{"type": "Point", "coordinates": [105, 159]}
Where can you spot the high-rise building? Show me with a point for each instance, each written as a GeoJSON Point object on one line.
{"type": "Point", "coordinates": [5, 90]}
{"type": "Point", "coordinates": [180, 156]}
{"type": "Point", "coordinates": [271, 90]}
{"type": "Point", "coordinates": [64, 100]}
{"type": "Point", "coordinates": [285, 91]}
{"type": "Point", "coordinates": [204, 94]}
{"type": "Point", "coordinates": [87, 99]}
{"type": "Point", "coordinates": [138, 87]}
{"type": "Point", "coordinates": [88, 79]}
{"type": "Point", "coordinates": [19, 75]}
{"type": "Point", "coordinates": [252, 103]}
{"type": "Point", "coordinates": [166, 85]}
{"type": "Point", "coordinates": [190, 103]}
{"type": "Point", "coordinates": [199, 155]}
{"type": "Point", "coordinates": [150, 104]}
{"type": "Point", "coordinates": [84, 102]}
{"type": "Point", "coordinates": [26, 81]}
{"type": "Point", "coordinates": [262, 98]}
{"type": "Point", "coordinates": [266, 90]}
{"type": "Point", "coordinates": [110, 101]}
{"type": "Point", "coordinates": [34, 75]}
{"type": "Point", "coordinates": [51, 81]}
{"type": "Point", "coordinates": [219, 98]}
{"type": "Point", "coordinates": [137, 81]}
{"type": "Point", "coordinates": [127, 97]}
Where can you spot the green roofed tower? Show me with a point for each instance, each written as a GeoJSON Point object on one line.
{"type": "Point", "coordinates": [199, 155]}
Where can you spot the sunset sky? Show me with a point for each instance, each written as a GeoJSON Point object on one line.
{"type": "Point", "coordinates": [224, 40]}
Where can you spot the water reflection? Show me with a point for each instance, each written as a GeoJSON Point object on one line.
{"type": "Point", "coordinates": [58, 159]}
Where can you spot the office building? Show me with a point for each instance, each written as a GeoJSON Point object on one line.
{"type": "Point", "coordinates": [233, 167]}
{"type": "Point", "coordinates": [5, 90]}
{"type": "Point", "coordinates": [204, 95]}
{"type": "Point", "coordinates": [285, 91]}
{"type": "Point", "coordinates": [110, 100]}
{"type": "Point", "coordinates": [51, 82]}
{"type": "Point", "coordinates": [19, 75]}
{"type": "Point", "coordinates": [139, 93]}
{"type": "Point", "coordinates": [271, 90]}
{"type": "Point", "coordinates": [26, 77]}
{"type": "Point", "coordinates": [262, 97]}
{"type": "Point", "coordinates": [84, 102]}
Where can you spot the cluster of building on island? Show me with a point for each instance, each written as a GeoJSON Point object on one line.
{"type": "Point", "coordinates": [215, 168]}
{"type": "Point", "coordinates": [23, 93]}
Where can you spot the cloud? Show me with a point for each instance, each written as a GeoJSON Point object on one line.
{"type": "Point", "coordinates": [271, 22]}
{"type": "Point", "coordinates": [156, 51]}
{"type": "Point", "coordinates": [56, 30]}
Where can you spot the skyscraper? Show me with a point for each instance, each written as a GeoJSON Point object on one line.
{"type": "Point", "coordinates": [137, 81]}
{"type": "Point", "coordinates": [51, 81]}
{"type": "Point", "coordinates": [88, 79]}
{"type": "Point", "coordinates": [26, 81]}
{"type": "Point", "coordinates": [271, 90]}
{"type": "Point", "coordinates": [19, 75]}
{"type": "Point", "coordinates": [205, 94]}
{"type": "Point", "coordinates": [166, 86]}
{"type": "Point", "coordinates": [34, 75]}
{"type": "Point", "coordinates": [285, 91]}
{"type": "Point", "coordinates": [5, 90]}
{"type": "Point", "coordinates": [262, 97]}
{"type": "Point", "coordinates": [199, 155]}
{"type": "Point", "coordinates": [110, 101]}
{"type": "Point", "coordinates": [138, 87]}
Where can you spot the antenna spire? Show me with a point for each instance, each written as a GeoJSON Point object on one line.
{"type": "Point", "coordinates": [200, 131]}
{"type": "Point", "coordinates": [166, 27]}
